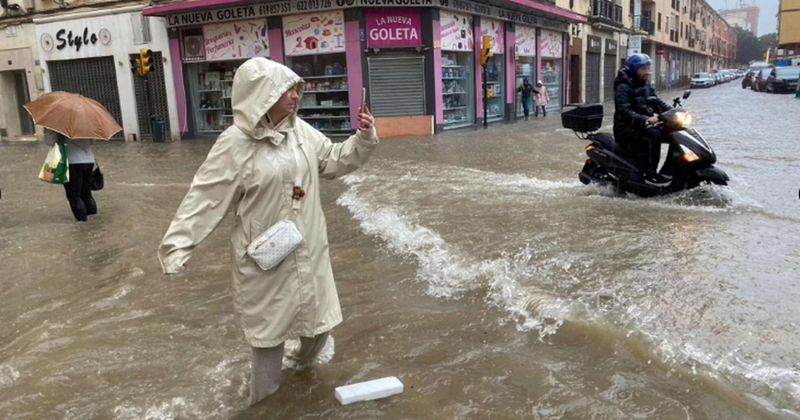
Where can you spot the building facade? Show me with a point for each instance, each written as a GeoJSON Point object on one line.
{"type": "Point", "coordinates": [789, 30]}
{"type": "Point", "coordinates": [84, 48]}
{"type": "Point", "coordinates": [418, 59]}
{"type": "Point", "coordinates": [743, 15]}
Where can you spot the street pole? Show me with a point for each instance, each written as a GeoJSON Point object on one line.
{"type": "Point", "coordinates": [485, 99]}
{"type": "Point", "coordinates": [148, 105]}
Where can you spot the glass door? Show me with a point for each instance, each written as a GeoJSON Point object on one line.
{"type": "Point", "coordinates": [524, 70]}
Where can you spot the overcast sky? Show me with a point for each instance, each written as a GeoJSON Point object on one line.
{"type": "Point", "coordinates": [767, 22]}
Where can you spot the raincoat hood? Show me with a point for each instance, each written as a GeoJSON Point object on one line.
{"type": "Point", "coordinates": [257, 86]}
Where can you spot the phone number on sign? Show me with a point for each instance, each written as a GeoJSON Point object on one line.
{"type": "Point", "coordinates": [308, 5]}
{"type": "Point", "coordinates": [276, 8]}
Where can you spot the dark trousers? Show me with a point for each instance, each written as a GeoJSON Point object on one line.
{"type": "Point", "coordinates": [79, 191]}
{"type": "Point", "coordinates": [646, 148]}
{"type": "Point", "coordinates": [544, 113]}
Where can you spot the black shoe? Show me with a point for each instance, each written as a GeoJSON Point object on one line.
{"type": "Point", "coordinates": [657, 180]}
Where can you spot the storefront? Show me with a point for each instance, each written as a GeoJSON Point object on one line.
{"type": "Point", "coordinates": [417, 61]}
{"type": "Point", "coordinates": [525, 59]}
{"type": "Point", "coordinates": [211, 54]}
{"type": "Point", "coordinates": [610, 69]}
{"type": "Point", "coordinates": [90, 55]}
{"type": "Point", "coordinates": [315, 49]}
{"type": "Point", "coordinates": [20, 81]}
{"type": "Point", "coordinates": [396, 62]}
{"type": "Point", "coordinates": [495, 69]}
{"type": "Point", "coordinates": [551, 47]}
{"type": "Point", "coordinates": [458, 75]}
{"type": "Point", "coordinates": [594, 56]}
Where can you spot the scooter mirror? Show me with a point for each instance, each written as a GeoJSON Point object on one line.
{"type": "Point", "coordinates": [687, 94]}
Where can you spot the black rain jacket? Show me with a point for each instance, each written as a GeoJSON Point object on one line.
{"type": "Point", "coordinates": [631, 109]}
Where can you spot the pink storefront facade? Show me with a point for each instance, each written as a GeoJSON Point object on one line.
{"type": "Point", "coordinates": [419, 59]}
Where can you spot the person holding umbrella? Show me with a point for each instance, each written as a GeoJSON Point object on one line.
{"type": "Point", "coordinates": [78, 121]}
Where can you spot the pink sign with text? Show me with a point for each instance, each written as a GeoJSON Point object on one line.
{"type": "Point", "coordinates": [393, 27]}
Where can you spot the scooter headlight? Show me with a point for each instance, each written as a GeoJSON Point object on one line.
{"type": "Point", "coordinates": [684, 118]}
{"type": "Point", "coordinates": [689, 155]}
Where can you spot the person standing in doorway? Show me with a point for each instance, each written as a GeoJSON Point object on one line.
{"type": "Point", "coordinates": [81, 163]}
{"type": "Point", "coordinates": [542, 99]}
{"type": "Point", "coordinates": [527, 90]}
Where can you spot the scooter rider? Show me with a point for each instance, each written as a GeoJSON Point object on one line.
{"type": "Point", "coordinates": [634, 116]}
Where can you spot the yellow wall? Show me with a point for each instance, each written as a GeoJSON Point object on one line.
{"type": "Point", "coordinates": [790, 27]}
{"type": "Point", "coordinates": [790, 4]}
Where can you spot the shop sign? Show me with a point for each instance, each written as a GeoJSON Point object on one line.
{"type": "Point", "coordinates": [594, 44]}
{"type": "Point", "coordinates": [551, 44]}
{"type": "Point", "coordinates": [525, 41]}
{"type": "Point", "coordinates": [393, 27]}
{"type": "Point", "coordinates": [456, 32]}
{"type": "Point", "coordinates": [634, 44]}
{"type": "Point", "coordinates": [236, 40]}
{"type": "Point", "coordinates": [611, 47]}
{"type": "Point", "coordinates": [289, 7]}
{"type": "Point", "coordinates": [661, 50]}
{"type": "Point", "coordinates": [314, 33]}
{"type": "Point", "coordinates": [494, 29]}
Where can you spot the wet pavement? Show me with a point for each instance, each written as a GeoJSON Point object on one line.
{"type": "Point", "coordinates": [473, 265]}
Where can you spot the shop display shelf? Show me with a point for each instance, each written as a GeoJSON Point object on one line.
{"type": "Point", "coordinates": [455, 93]}
{"type": "Point", "coordinates": [213, 109]}
{"type": "Point", "coordinates": [320, 117]}
{"type": "Point", "coordinates": [303, 108]}
{"type": "Point", "coordinates": [453, 78]}
{"type": "Point", "coordinates": [209, 131]}
{"type": "Point", "coordinates": [492, 116]}
{"type": "Point", "coordinates": [452, 67]}
{"type": "Point", "coordinates": [455, 108]}
{"type": "Point", "coordinates": [333, 76]}
{"type": "Point", "coordinates": [209, 90]}
{"type": "Point", "coordinates": [326, 91]}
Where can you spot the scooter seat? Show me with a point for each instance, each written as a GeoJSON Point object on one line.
{"type": "Point", "coordinates": [607, 141]}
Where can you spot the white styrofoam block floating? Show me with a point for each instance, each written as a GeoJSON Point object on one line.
{"type": "Point", "coordinates": [370, 390]}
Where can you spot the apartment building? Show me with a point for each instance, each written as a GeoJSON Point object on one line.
{"type": "Point", "coordinates": [789, 30]}
{"type": "Point", "coordinates": [83, 47]}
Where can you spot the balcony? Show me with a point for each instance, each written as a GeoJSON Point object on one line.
{"type": "Point", "coordinates": [606, 13]}
{"type": "Point", "coordinates": [640, 24]}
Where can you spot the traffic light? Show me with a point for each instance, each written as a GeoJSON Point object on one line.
{"type": "Point", "coordinates": [145, 61]}
{"type": "Point", "coordinates": [486, 49]}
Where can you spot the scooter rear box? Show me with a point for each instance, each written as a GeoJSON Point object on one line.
{"type": "Point", "coordinates": [583, 118]}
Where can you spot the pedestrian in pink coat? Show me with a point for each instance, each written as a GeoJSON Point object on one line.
{"type": "Point", "coordinates": [541, 98]}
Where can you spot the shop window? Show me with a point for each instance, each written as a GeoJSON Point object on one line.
{"type": "Point", "coordinates": [325, 103]}
{"type": "Point", "coordinates": [211, 84]}
{"type": "Point", "coordinates": [458, 89]}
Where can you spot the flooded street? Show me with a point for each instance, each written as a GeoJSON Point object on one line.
{"type": "Point", "coordinates": [474, 266]}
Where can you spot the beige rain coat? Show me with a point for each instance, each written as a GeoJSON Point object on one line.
{"type": "Point", "coordinates": [253, 169]}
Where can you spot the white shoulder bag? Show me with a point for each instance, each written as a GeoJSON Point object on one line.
{"type": "Point", "coordinates": [282, 238]}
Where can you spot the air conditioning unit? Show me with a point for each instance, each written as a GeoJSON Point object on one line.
{"type": "Point", "coordinates": [193, 44]}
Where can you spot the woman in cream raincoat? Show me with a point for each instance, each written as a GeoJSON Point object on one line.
{"type": "Point", "coordinates": [254, 168]}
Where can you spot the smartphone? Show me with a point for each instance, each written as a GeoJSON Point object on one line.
{"type": "Point", "coordinates": [363, 99]}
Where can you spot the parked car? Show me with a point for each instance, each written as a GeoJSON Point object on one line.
{"type": "Point", "coordinates": [760, 80]}
{"type": "Point", "coordinates": [702, 80]}
{"type": "Point", "coordinates": [747, 81]}
{"type": "Point", "coordinates": [783, 79]}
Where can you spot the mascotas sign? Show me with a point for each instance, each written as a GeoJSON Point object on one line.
{"type": "Point", "coordinates": [393, 27]}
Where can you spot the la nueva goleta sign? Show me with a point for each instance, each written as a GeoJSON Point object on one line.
{"type": "Point", "coordinates": [288, 7]}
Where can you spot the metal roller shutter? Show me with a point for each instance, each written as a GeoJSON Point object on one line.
{"type": "Point", "coordinates": [94, 78]}
{"type": "Point", "coordinates": [609, 74]}
{"type": "Point", "coordinates": [397, 85]}
{"type": "Point", "coordinates": [592, 78]}
{"type": "Point", "coordinates": [158, 94]}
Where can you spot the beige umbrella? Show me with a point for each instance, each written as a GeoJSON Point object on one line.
{"type": "Point", "coordinates": [73, 115]}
